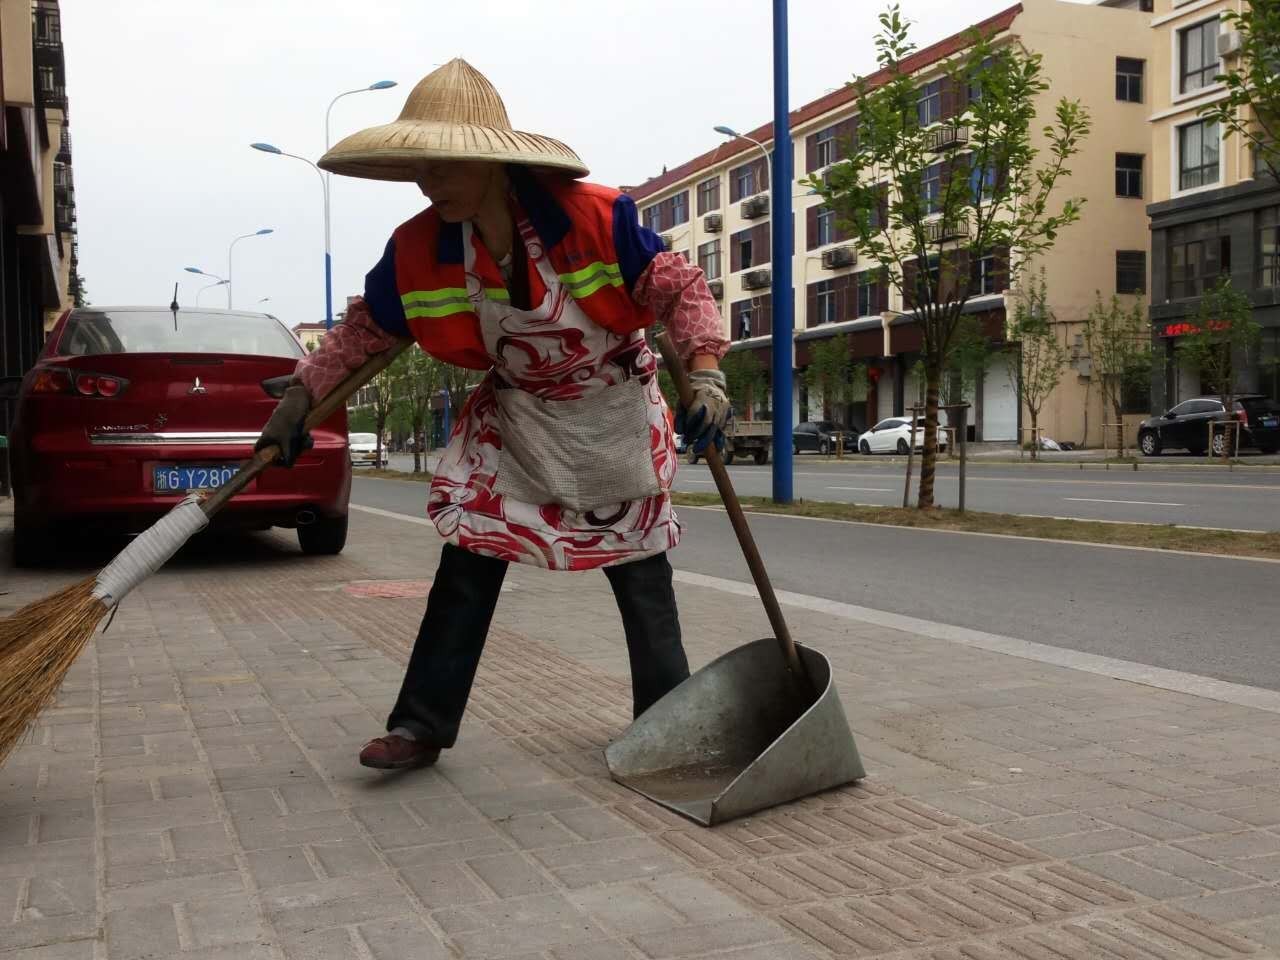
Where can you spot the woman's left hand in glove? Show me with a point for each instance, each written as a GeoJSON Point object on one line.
{"type": "Point", "coordinates": [704, 422]}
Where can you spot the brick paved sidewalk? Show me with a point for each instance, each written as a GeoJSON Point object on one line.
{"type": "Point", "coordinates": [195, 794]}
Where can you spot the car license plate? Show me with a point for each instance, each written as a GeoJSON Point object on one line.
{"type": "Point", "coordinates": [172, 478]}
{"type": "Point", "coordinates": [1271, 422]}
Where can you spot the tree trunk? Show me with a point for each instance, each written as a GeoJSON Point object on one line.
{"type": "Point", "coordinates": [1119, 427]}
{"type": "Point", "coordinates": [380, 423]}
{"type": "Point", "coordinates": [1035, 437]}
{"type": "Point", "coordinates": [929, 458]}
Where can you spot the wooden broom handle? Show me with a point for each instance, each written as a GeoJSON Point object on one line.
{"type": "Point", "coordinates": [322, 411]}
{"type": "Point", "coordinates": [684, 390]}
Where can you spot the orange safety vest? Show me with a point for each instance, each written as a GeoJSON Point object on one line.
{"type": "Point", "coordinates": [574, 221]}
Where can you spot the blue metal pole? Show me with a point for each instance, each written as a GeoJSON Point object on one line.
{"type": "Point", "coordinates": [782, 295]}
{"type": "Point", "coordinates": [328, 291]}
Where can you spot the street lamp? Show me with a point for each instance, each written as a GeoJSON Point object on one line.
{"type": "Point", "coordinates": [380, 85]}
{"type": "Point", "coordinates": [328, 257]}
{"type": "Point", "coordinates": [217, 281]}
{"type": "Point", "coordinates": [257, 233]}
{"type": "Point", "coordinates": [730, 132]}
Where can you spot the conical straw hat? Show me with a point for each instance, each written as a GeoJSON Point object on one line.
{"type": "Point", "coordinates": [454, 113]}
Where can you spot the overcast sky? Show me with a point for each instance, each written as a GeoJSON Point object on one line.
{"type": "Point", "coordinates": [166, 95]}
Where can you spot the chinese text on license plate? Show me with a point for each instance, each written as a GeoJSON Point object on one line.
{"type": "Point", "coordinates": [180, 479]}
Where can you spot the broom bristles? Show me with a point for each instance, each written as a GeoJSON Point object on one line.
{"type": "Point", "coordinates": [38, 645]}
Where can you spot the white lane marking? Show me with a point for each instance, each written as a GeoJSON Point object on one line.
{"type": "Point", "coordinates": [1001, 536]}
{"type": "Point", "coordinates": [1174, 680]}
{"type": "Point", "coordinates": [867, 489]}
{"type": "Point", "coordinates": [423, 521]}
{"type": "Point", "coordinates": [1135, 503]}
{"type": "Point", "coordinates": [1141, 523]}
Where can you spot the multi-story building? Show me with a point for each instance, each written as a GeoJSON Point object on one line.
{"type": "Point", "coordinates": [309, 334]}
{"type": "Point", "coordinates": [38, 268]}
{"type": "Point", "coordinates": [1215, 211]}
{"type": "Point", "coordinates": [714, 208]}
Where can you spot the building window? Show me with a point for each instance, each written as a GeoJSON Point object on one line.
{"type": "Point", "coordinates": [1129, 175]}
{"type": "Point", "coordinates": [680, 208]}
{"type": "Point", "coordinates": [929, 103]}
{"type": "Point", "coordinates": [48, 81]}
{"type": "Point", "coordinates": [1129, 79]}
{"type": "Point", "coordinates": [1198, 154]}
{"type": "Point", "coordinates": [982, 182]}
{"type": "Point", "coordinates": [742, 319]}
{"type": "Point", "coordinates": [976, 79]}
{"type": "Point", "coordinates": [744, 252]}
{"type": "Point", "coordinates": [1198, 255]}
{"type": "Point", "coordinates": [825, 146]}
{"type": "Point", "coordinates": [708, 195]}
{"type": "Point", "coordinates": [931, 188]}
{"type": "Point", "coordinates": [824, 303]}
{"type": "Point", "coordinates": [1131, 271]}
{"type": "Point", "coordinates": [709, 259]}
{"type": "Point", "coordinates": [1269, 248]}
{"type": "Point", "coordinates": [1197, 56]}
{"type": "Point", "coordinates": [746, 180]}
{"type": "Point", "coordinates": [826, 222]}
{"type": "Point", "coordinates": [653, 217]}
{"type": "Point", "coordinates": [870, 295]}
{"type": "Point", "coordinates": [986, 275]}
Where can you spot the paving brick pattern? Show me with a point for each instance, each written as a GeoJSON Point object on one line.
{"type": "Point", "coordinates": [194, 793]}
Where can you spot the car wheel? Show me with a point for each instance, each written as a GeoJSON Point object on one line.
{"type": "Point", "coordinates": [795, 449]}
{"type": "Point", "coordinates": [864, 448]}
{"type": "Point", "coordinates": [324, 537]}
{"type": "Point", "coordinates": [728, 458]}
{"type": "Point", "coordinates": [762, 456]}
{"type": "Point", "coordinates": [1149, 443]}
{"type": "Point", "coordinates": [30, 543]}
{"type": "Point", "coordinates": [1219, 444]}
{"type": "Point", "coordinates": [824, 448]}
{"type": "Point", "coordinates": [904, 448]}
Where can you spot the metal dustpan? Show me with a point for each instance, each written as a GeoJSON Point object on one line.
{"type": "Point", "coordinates": [759, 726]}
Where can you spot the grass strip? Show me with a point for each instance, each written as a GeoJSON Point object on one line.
{"type": "Point", "coordinates": [1160, 537]}
{"type": "Point", "coordinates": [1156, 536]}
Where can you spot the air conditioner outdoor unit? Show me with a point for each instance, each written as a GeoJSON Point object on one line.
{"type": "Point", "coordinates": [1229, 43]}
{"type": "Point", "coordinates": [666, 240]}
{"type": "Point", "coordinates": [717, 288]}
{"type": "Point", "coordinates": [713, 223]}
{"type": "Point", "coordinates": [940, 230]}
{"type": "Point", "coordinates": [944, 138]}
{"type": "Point", "coordinates": [839, 257]}
{"type": "Point", "coordinates": [756, 279]}
{"type": "Point", "coordinates": [755, 207]}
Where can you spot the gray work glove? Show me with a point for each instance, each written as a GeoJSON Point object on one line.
{"type": "Point", "coordinates": [703, 423]}
{"type": "Point", "coordinates": [285, 429]}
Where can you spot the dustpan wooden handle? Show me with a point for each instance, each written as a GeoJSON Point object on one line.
{"type": "Point", "coordinates": [322, 411]}
{"type": "Point", "coordinates": [684, 390]}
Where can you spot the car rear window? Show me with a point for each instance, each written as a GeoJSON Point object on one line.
{"type": "Point", "coordinates": [1257, 405]}
{"type": "Point", "coordinates": [92, 332]}
{"type": "Point", "coordinates": [362, 438]}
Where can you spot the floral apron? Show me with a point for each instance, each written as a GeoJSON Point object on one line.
{"type": "Point", "coordinates": [563, 457]}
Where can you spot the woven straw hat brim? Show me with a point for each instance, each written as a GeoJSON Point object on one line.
{"type": "Point", "coordinates": [395, 151]}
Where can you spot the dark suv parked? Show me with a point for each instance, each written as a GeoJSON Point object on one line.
{"type": "Point", "coordinates": [821, 436]}
{"type": "Point", "coordinates": [1187, 426]}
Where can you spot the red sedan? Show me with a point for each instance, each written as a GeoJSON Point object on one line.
{"type": "Point", "coordinates": [130, 408]}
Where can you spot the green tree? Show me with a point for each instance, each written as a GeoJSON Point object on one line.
{"type": "Point", "coordinates": [421, 381]}
{"type": "Point", "coordinates": [385, 398]}
{"type": "Point", "coordinates": [744, 380]}
{"type": "Point", "coordinates": [1118, 338]}
{"type": "Point", "coordinates": [360, 420]}
{"type": "Point", "coordinates": [1041, 355]}
{"type": "Point", "coordinates": [668, 388]}
{"type": "Point", "coordinates": [833, 375]}
{"type": "Point", "coordinates": [1251, 107]}
{"type": "Point", "coordinates": [457, 383]}
{"type": "Point", "coordinates": [1225, 333]}
{"type": "Point", "coordinates": [968, 186]}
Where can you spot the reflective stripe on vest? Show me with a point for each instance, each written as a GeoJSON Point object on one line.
{"type": "Point", "coordinates": [444, 302]}
{"type": "Point", "coordinates": [582, 283]}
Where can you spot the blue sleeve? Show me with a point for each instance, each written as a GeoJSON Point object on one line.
{"type": "Point", "coordinates": [383, 296]}
{"type": "Point", "coordinates": [636, 245]}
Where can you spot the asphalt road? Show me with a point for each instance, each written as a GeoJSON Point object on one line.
{"type": "Point", "coordinates": [1211, 616]}
{"type": "Point", "coordinates": [1204, 498]}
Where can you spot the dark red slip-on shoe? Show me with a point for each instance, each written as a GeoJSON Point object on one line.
{"type": "Point", "coordinates": [397, 753]}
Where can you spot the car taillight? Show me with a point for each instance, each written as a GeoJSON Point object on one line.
{"type": "Point", "coordinates": [1242, 415]}
{"type": "Point", "coordinates": [62, 380]}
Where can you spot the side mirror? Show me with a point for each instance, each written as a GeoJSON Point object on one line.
{"type": "Point", "coordinates": [9, 387]}
{"type": "Point", "coordinates": [1171, 415]}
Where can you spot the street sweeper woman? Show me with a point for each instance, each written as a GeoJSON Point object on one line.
{"type": "Point", "coordinates": [563, 457]}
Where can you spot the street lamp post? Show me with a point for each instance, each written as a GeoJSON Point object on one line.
{"type": "Point", "coordinates": [217, 281]}
{"type": "Point", "coordinates": [782, 296]}
{"type": "Point", "coordinates": [328, 256]}
{"type": "Point", "coordinates": [257, 233]}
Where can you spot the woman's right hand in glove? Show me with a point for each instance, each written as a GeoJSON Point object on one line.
{"type": "Point", "coordinates": [286, 428]}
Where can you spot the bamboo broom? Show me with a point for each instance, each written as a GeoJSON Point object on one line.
{"type": "Point", "coordinates": [40, 642]}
